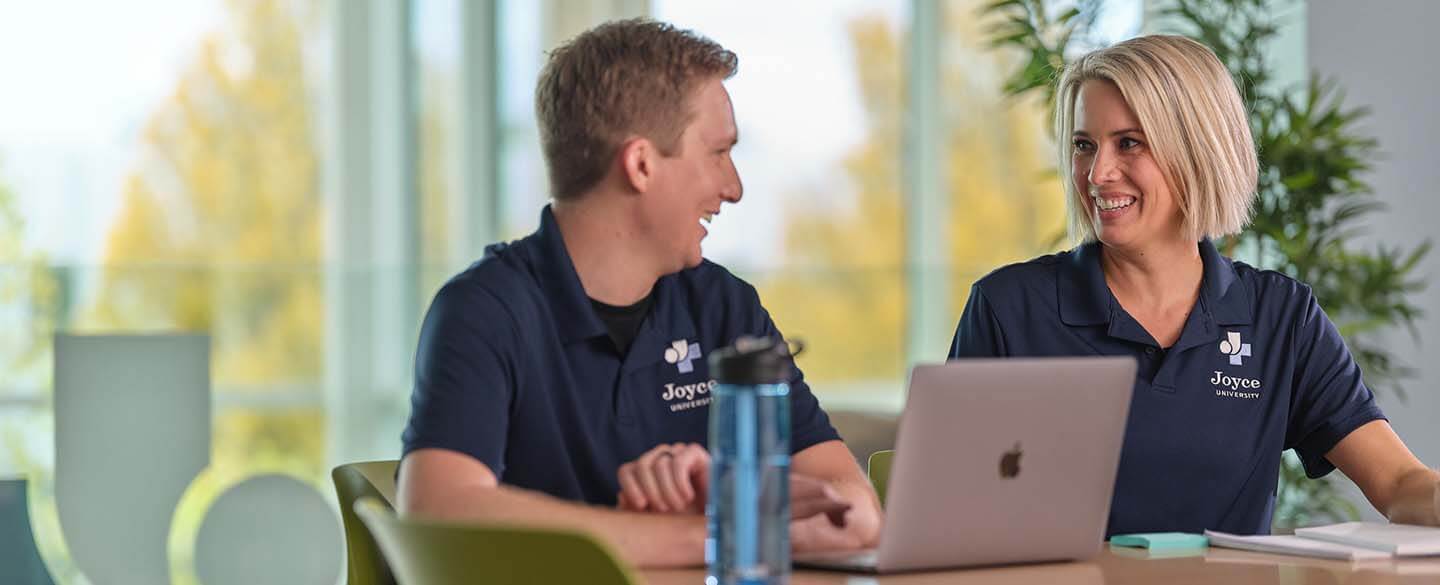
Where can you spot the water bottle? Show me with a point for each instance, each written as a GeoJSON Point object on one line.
{"type": "Point", "coordinates": [748, 511]}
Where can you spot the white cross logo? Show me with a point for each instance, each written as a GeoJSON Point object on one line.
{"type": "Point", "coordinates": [1232, 347]}
{"type": "Point", "coordinates": [682, 354]}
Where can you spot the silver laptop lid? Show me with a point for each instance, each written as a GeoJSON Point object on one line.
{"type": "Point", "coordinates": [1005, 460]}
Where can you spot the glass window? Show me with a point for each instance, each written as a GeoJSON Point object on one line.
{"type": "Point", "coordinates": [437, 54]}
{"type": "Point", "coordinates": [1006, 203]}
{"type": "Point", "coordinates": [524, 188]}
{"type": "Point", "coordinates": [818, 100]}
{"type": "Point", "coordinates": [159, 171]}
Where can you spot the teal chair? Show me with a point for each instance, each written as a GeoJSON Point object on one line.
{"type": "Point", "coordinates": [20, 562]}
{"type": "Point", "coordinates": [353, 481]}
{"type": "Point", "coordinates": [880, 471]}
{"type": "Point", "coordinates": [427, 552]}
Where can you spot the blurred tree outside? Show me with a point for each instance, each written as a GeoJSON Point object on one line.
{"type": "Point", "coordinates": [29, 297]}
{"type": "Point", "coordinates": [220, 232]}
{"type": "Point", "coordinates": [30, 306]}
{"type": "Point", "coordinates": [844, 289]}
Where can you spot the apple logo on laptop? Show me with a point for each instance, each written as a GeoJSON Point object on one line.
{"type": "Point", "coordinates": [1010, 462]}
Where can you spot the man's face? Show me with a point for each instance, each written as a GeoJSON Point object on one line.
{"type": "Point", "coordinates": [689, 187]}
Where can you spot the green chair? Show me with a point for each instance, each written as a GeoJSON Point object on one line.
{"type": "Point", "coordinates": [20, 562]}
{"type": "Point", "coordinates": [880, 471]}
{"type": "Point", "coordinates": [353, 481]}
{"type": "Point", "coordinates": [426, 552]}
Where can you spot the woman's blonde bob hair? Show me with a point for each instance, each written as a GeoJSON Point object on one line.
{"type": "Point", "coordinates": [1194, 123]}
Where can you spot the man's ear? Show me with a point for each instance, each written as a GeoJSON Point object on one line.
{"type": "Point", "coordinates": [637, 163]}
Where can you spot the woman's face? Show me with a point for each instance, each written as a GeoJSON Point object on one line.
{"type": "Point", "coordinates": [1129, 202]}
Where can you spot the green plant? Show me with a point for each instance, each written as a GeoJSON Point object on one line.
{"type": "Point", "coordinates": [1311, 196]}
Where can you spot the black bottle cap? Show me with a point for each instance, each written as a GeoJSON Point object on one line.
{"type": "Point", "coordinates": [755, 360]}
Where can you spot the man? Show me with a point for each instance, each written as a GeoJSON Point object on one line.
{"type": "Point", "coordinates": [561, 380]}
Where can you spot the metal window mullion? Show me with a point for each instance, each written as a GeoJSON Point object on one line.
{"type": "Point", "coordinates": [371, 228]}
{"type": "Point", "coordinates": [928, 318]}
{"type": "Point", "coordinates": [477, 204]}
{"type": "Point", "coordinates": [346, 138]}
{"type": "Point", "coordinates": [395, 272]}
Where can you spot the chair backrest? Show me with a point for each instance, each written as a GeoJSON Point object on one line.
{"type": "Point", "coordinates": [425, 552]}
{"type": "Point", "coordinates": [20, 562]}
{"type": "Point", "coordinates": [353, 481]}
{"type": "Point", "coordinates": [880, 471]}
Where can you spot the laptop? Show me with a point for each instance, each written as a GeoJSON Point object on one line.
{"type": "Point", "coordinates": [1000, 461]}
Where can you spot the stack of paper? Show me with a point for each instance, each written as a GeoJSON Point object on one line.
{"type": "Point", "coordinates": [1401, 540]}
{"type": "Point", "coordinates": [1294, 545]}
{"type": "Point", "coordinates": [1351, 541]}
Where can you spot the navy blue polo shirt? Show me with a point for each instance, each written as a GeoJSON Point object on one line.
{"type": "Point", "coordinates": [1258, 369]}
{"type": "Point", "coordinates": [515, 369]}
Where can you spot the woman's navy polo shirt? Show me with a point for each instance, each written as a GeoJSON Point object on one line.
{"type": "Point", "coordinates": [1258, 369]}
{"type": "Point", "coordinates": [515, 369]}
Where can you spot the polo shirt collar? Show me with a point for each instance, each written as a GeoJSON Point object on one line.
{"type": "Point", "coordinates": [575, 316]}
{"type": "Point", "coordinates": [669, 321]}
{"type": "Point", "coordinates": [1227, 295]}
{"type": "Point", "coordinates": [1085, 299]}
{"type": "Point", "coordinates": [559, 283]}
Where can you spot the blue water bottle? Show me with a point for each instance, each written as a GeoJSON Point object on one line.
{"type": "Point", "coordinates": [748, 512]}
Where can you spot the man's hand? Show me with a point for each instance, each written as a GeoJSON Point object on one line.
{"type": "Point", "coordinates": [818, 517]}
{"type": "Point", "coordinates": [812, 497]}
{"type": "Point", "coordinates": [673, 478]}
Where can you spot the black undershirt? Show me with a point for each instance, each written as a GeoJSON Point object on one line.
{"type": "Point", "coordinates": [623, 323]}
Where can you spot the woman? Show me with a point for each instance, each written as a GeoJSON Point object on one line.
{"type": "Point", "coordinates": [1235, 364]}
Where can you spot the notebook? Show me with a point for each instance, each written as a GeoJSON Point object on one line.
{"type": "Point", "coordinates": [1295, 545]}
{"type": "Point", "coordinates": [1401, 540]}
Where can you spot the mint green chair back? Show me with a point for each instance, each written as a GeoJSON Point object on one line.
{"type": "Point", "coordinates": [20, 562]}
{"type": "Point", "coordinates": [427, 552]}
{"type": "Point", "coordinates": [353, 481]}
{"type": "Point", "coordinates": [880, 471]}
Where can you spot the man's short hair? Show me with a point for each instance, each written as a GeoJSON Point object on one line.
{"type": "Point", "coordinates": [619, 80]}
{"type": "Point", "coordinates": [1193, 118]}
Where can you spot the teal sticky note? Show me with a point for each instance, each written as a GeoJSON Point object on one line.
{"type": "Point", "coordinates": [1161, 540]}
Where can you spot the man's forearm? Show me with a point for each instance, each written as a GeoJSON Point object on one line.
{"type": "Point", "coordinates": [642, 539]}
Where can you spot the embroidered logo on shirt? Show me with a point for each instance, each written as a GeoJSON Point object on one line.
{"type": "Point", "coordinates": [682, 353]}
{"type": "Point", "coordinates": [688, 395]}
{"type": "Point", "coordinates": [1232, 347]}
{"type": "Point", "coordinates": [1227, 386]}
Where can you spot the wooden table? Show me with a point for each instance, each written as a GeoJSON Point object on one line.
{"type": "Point", "coordinates": [1125, 566]}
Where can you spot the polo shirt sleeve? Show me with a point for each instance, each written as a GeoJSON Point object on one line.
{"type": "Point", "coordinates": [978, 334]}
{"type": "Point", "coordinates": [809, 425]}
{"type": "Point", "coordinates": [1330, 398]}
{"type": "Point", "coordinates": [464, 380]}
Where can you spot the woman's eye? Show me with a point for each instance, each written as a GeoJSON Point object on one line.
{"type": "Point", "coordinates": [1083, 146]}
{"type": "Point", "coordinates": [1128, 143]}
